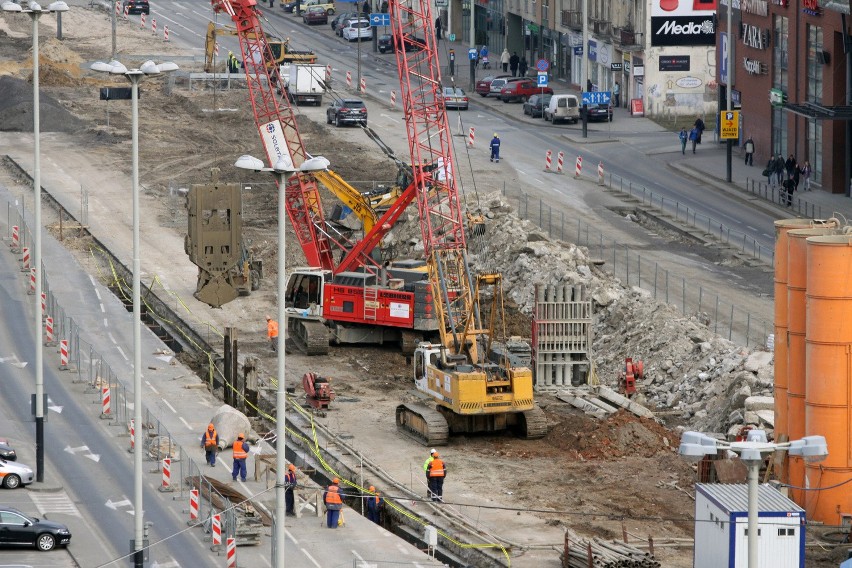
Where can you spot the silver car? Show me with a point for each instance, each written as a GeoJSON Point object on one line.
{"type": "Point", "coordinates": [14, 474]}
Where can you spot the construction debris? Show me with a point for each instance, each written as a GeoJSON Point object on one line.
{"type": "Point", "coordinates": [584, 553]}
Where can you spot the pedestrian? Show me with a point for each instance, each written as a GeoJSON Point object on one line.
{"type": "Point", "coordinates": [513, 63]}
{"type": "Point", "coordinates": [505, 59]}
{"type": "Point", "coordinates": [439, 26]}
{"type": "Point", "coordinates": [589, 85]}
{"type": "Point", "coordinates": [210, 443]}
{"type": "Point", "coordinates": [749, 151]}
{"type": "Point", "coordinates": [290, 483]}
{"type": "Point", "coordinates": [271, 3]}
{"type": "Point", "coordinates": [495, 148]}
{"type": "Point", "coordinates": [241, 451]}
{"type": "Point", "coordinates": [683, 136]}
{"type": "Point", "coordinates": [790, 166]}
{"type": "Point", "coordinates": [483, 56]}
{"type": "Point", "coordinates": [699, 126]}
{"type": "Point", "coordinates": [693, 137]}
{"type": "Point", "coordinates": [616, 95]}
{"type": "Point", "coordinates": [796, 178]}
{"type": "Point", "coordinates": [522, 66]}
{"type": "Point", "coordinates": [365, 9]}
{"type": "Point", "coordinates": [769, 169]}
{"type": "Point", "coordinates": [789, 187]}
{"type": "Point", "coordinates": [806, 174]}
{"type": "Point", "coordinates": [779, 168]}
{"type": "Point", "coordinates": [374, 506]}
{"type": "Point", "coordinates": [333, 503]}
{"type": "Point", "coordinates": [272, 332]}
{"type": "Point", "coordinates": [437, 473]}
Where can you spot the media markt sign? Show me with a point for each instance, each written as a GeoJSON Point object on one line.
{"type": "Point", "coordinates": [683, 23]}
{"type": "Point", "coordinates": [729, 124]}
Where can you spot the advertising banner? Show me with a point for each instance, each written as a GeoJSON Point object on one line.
{"type": "Point", "coordinates": [682, 22]}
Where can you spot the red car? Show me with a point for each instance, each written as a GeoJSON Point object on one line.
{"type": "Point", "coordinates": [483, 86]}
{"type": "Point", "coordinates": [522, 90]}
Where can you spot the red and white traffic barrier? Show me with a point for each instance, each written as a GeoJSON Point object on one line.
{"type": "Point", "coordinates": [43, 303]}
{"type": "Point", "coordinates": [63, 354]}
{"type": "Point", "coordinates": [560, 160]}
{"type": "Point", "coordinates": [49, 338]}
{"type": "Point", "coordinates": [547, 161]}
{"type": "Point", "coordinates": [193, 506]}
{"type": "Point", "coordinates": [153, 26]}
{"type": "Point", "coordinates": [126, 11]}
{"type": "Point", "coordinates": [165, 33]}
{"type": "Point", "coordinates": [16, 239]}
{"type": "Point", "coordinates": [118, 8]}
{"type": "Point", "coordinates": [216, 530]}
{"type": "Point", "coordinates": [600, 173]}
{"type": "Point", "coordinates": [363, 85]}
{"type": "Point", "coordinates": [31, 291]}
{"type": "Point", "coordinates": [328, 72]}
{"type": "Point", "coordinates": [349, 79]}
{"type": "Point", "coordinates": [393, 99]}
{"type": "Point", "coordinates": [25, 258]}
{"type": "Point", "coordinates": [216, 48]}
{"type": "Point", "coordinates": [167, 475]}
{"type": "Point", "coordinates": [106, 411]}
{"type": "Point", "coordinates": [231, 549]}
{"type": "Point", "coordinates": [579, 167]}
{"type": "Point", "coordinates": [142, 22]}
{"type": "Point", "coordinates": [132, 427]}
{"type": "Point", "coordinates": [471, 136]}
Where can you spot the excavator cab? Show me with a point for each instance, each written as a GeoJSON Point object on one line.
{"type": "Point", "coordinates": [304, 290]}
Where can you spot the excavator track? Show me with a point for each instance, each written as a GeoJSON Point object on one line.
{"type": "Point", "coordinates": [309, 336]}
{"type": "Point", "coordinates": [424, 424]}
{"type": "Point", "coordinates": [533, 424]}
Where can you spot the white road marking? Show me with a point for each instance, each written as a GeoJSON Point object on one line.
{"type": "Point", "coordinates": [54, 503]}
{"type": "Point", "coordinates": [103, 308]}
{"type": "Point", "coordinates": [169, 564]}
{"type": "Point", "coordinates": [14, 361]}
{"type": "Point", "coordinates": [172, 408]}
{"type": "Point", "coordinates": [538, 181]}
{"type": "Point", "coordinates": [106, 322]}
{"type": "Point", "coordinates": [186, 424]}
{"type": "Point", "coordinates": [751, 228]}
{"type": "Point", "coordinates": [296, 542]}
{"type": "Point", "coordinates": [389, 117]}
{"type": "Point", "coordinates": [122, 353]}
{"type": "Point", "coordinates": [358, 556]}
{"type": "Point", "coordinates": [311, 558]}
{"type": "Point", "coordinates": [150, 386]}
{"type": "Point", "coordinates": [110, 335]}
{"type": "Point", "coordinates": [767, 236]}
{"type": "Point", "coordinates": [98, 294]}
{"type": "Point", "coordinates": [521, 172]}
{"type": "Point", "coordinates": [403, 549]}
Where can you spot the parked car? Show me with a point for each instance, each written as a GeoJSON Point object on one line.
{"type": "Point", "coordinates": [454, 97]}
{"type": "Point", "coordinates": [18, 529]}
{"type": "Point", "coordinates": [483, 86]}
{"type": "Point", "coordinates": [315, 15]}
{"type": "Point", "coordinates": [600, 112]}
{"type": "Point", "coordinates": [290, 7]}
{"type": "Point", "coordinates": [136, 7]}
{"type": "Point", "coordinates": [338, 20]}
{"type": "Point", "coordinates": [14, 474]}
{"type": "Point", "coordinates": [327, 6]}
{"type": "Point", "coordinates": [535, 105]}
{"type": "Point", "coordinates": [522, 90]}
{"type": "Point", "coordinates": [7, 452]}
{"type": "Point", "coordinates": [562, 107]}
{"type": "Point", "coordinates": [500, 82]}
{"type": "Point", "coordinates": [357, 30]}
{"type": "Point", "coordinates": [387, 43]}
{"type": "Point", "coordinates": [346, 111]}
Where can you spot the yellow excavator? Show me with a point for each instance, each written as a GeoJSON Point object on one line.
{"type": "Point", "coordinates": [280, 49]}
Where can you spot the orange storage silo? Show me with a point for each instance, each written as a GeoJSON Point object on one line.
{"type": "Point", "coordinates": [781, 229]}
{"type": "Point", "coordinates": [828, 396]}
{"type": "Point", "coordinates": [796, 283]}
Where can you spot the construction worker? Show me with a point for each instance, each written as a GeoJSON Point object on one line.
{"type": "Point", "coordinates": [495, 148]}
{"type": "Point", "coordinates": [210, 443]}
{"type": "Point", "coordinates": [437, 471]}
{"type": "Point", "coordinates": [427, 462]}
{"type": "Point", "coordinates": [233, 63]}
{"type": "Point", "coordinates": [333, 503]}
{"type": "Point", "coordinates": [241, 451]}
{"type": "Point", "coordinates": [290, 483]}
{"type": "Point", "coordinates": [272, 332]}
{"type": "Point", "coordinates": [374, 504]}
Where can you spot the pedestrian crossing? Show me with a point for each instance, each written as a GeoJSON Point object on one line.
{"type": "Point", "coordinates": [58, 502]}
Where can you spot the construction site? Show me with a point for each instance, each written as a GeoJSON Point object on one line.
{"type": "Point", "coordinates": [423, 312]}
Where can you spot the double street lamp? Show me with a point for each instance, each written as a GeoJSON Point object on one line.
{"type": "Point", "coordinates": [35, 11]}
{"type": "Point", "coordinates": [147, 69]}
{"type": "Point", "coordinates": [695, 445]}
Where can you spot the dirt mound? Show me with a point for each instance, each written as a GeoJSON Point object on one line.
{"type": "Point", "coordinates": [16, 109]}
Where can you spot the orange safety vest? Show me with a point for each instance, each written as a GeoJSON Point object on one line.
{"type": "Point", "coordinates": [210, 438]}
{"type": "Point", "coordinates": [436, 468]}
{"type": "Point", "coordinates": [272, 329]}
{"type": "Point", "coordinates": [239, 450]}
{"type": "Point", "coordinates": [332, 498]}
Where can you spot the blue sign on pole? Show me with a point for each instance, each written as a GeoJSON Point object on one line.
{"type": "Point", "coordinates": [578, 50]}
{"type": "Point", "coordinates": [471, 53]}
{"type": "Point", "coordinates": [379, 19]}
{"type": "Point", "coordinates": [542, 79]}
{"type": "Point", "coordinates": [596, 97]}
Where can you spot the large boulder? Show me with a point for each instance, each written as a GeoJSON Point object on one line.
{"type": "Point", "coordinates": [229, 422]}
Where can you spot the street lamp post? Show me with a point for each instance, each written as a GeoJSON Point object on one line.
{"type": "Point", "coordinates": [148, 68]}
{"type": "Point", "coordinates": [34, 11]}
{"type": "Point", "coordinates": [695, 445]}
{"type": "Point", "coordinates": [282, 170]}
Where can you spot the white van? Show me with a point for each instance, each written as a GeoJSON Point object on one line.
{"type": "Point", "coordinates": [563, 107]}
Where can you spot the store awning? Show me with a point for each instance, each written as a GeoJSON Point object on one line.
{"type": "Point", "coordinates": [820, 112]}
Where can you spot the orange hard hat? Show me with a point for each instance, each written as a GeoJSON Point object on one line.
{"type": "Point", "coordinates": [436, 455]}
{"type": "Point", "coordinates": [210, 426]}
{"type": "Point", "coordinates": [240, 436]}
{"type": "Point", "coordinates": [335, 481]}
{"type": "Point", "coordinates": [372, 488]}
{"type": "Point", "coordinates": [291, 467]}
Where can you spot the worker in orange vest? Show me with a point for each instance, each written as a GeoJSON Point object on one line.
{"type": "Point", "coordinates": [241, 451]}
{"type": "Point", "coordinates": [210, 443]}
{"type": "Point", "coordinates": [272, 332]}
{"type": "Point", "coordinates": [289, 497]}
{"type": "Point", "coordinates": [437, 471]}
{"type": "Point", "coordinates": [333, 503]}
{"type": "Point", "coordinates": [374, 505]}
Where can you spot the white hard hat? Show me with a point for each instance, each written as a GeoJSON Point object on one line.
{"type": "Point", "coordinates": [432, 451]}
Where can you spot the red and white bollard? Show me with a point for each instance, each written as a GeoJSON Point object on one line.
{"type": "Point", "coordinates": [126, 11]}
{"type": "Point", "coordinates": [118, 8]}
{"type": "Point", "coordinates": [470, 137]}
{"type": "Point", "coordinates": [547, 161]}
{"type": "Point", "coordinates": [106, 411]}
{"type": "Point", "coordinates": [153, 26]}
{"type": "Point", "coordinates": [25, 259]}
{"type": "Point", "coordinates": [167, 475]}
{"type": "Point", "coordinates": [579, 167]}
{"type": "Point", "coordinates": [231, 548]}
{"type": "Point", "coordinates": [363, 85]}
{"type": "Point", "coordinates": [328, 72]}
{"type": "Point", "coordinates": [63, 354]}
{"type": "Point", "coordinates": [349, 79]}
{"type": "Point", "coordinates": [393, 99]}
{"type": "Point", "coordinates": [216, 531]}
{"type": "Point", "coordinates": [600, 173]}
{"type": "Point", "coordinates": [31, 291]}
{"type": "Point", "coordinates": [142, 22]}
{"type": "Point", "coordinates": [560, 160]}
{"type": "Point", "coordinates": [132, 427]}
{"type": "Point", "coordinates": [193, 506]}
{"type": "Point", "coordinates": [216, 48]}
{"type": "Point", "coordinates": [49, 338]}
{"type": "Point", "coordinates": [16, 239]}
{"type": "Point", "coordinates": [165, 33]}
{"type": "Point", "coordinates": [43, 304]}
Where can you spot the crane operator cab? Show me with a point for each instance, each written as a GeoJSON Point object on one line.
{"type": "Point", "coordinates": [304, 291]}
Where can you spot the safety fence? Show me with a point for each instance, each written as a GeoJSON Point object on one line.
{"type": "Point", "coordinates": [778, 196]}
{"type": "Point", "coordinates": [624, 262]}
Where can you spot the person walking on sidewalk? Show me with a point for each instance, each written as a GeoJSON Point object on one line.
{"type": "Point", "coordinates": [790, 166]}
{"type": "Point", "coordinates": [779, 168]}
{"type": "Point", "coordinates": [241, 451]}
{"type": "Point", "coordinates": [483, 56]}
{"type": "Point", "coordinates": [616, 95]}
{"type": "Point", "coordinates": [505, 59]}
{"type": "Point", "coordinates": [769, 170]}
{"type": "Point", "coordinates": [513, 64]}
{"type": "Point", "coordinates": [439, 26]}
{"type": "Point", "coordinates": [272, 332]}
{"type": "Point", "coordinates": [495, 149]}
{"type": "Point", "coordinates": [210, 443]}
{"type": "Point", "coordinates": [789, 187]}
{"type": "Point", "coordinates": [333, 503]}
{"type": "Point", "coordinates": [749, 151]}
{"type": "Point", "coordinates": [437, 472]}
{"type": "Point", "coordinates": [522, 66]}
{"type": "Point", "coordinates": [806, 175]}
{"type": "Point", "coordinates": [290, 484]}
{"type": "Point", "coordinates": [683, 136]}
{"type": "Point", "coordinates": [693, 137]}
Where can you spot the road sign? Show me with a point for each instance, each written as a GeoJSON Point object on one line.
{"type": "Point", "coordinates": [542, 65]}
{"type": "Point", "coordinates": [729, 124]}
{"type": "Point", "coordinates": [596, 97]}
{"type": "Point", "coordinates": [379, 19]}
{"type": "Point", "coordinates": [578, 50]}
{"type": "Point", "coordinates": [542, 79]}
{"type": "Point", "coordinates": [471, 53]}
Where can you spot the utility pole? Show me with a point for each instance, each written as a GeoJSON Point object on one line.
{"type": "Point", "coordinates": [729, 143]}
{"type": "Point", "coordinates": [472, 32]}
{"type": "Point", "coordinates": [584, 75]}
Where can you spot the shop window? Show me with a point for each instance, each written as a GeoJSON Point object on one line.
{"type": "Point", "coordinates": [816, 60]}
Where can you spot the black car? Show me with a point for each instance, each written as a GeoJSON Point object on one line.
{"type": "Point", "coordinates": [536, 104]}
{"type": "Point", "coordinates": [7, 452]}
{"type": "Point", "coordinates": [18, 529]}
{"type": "Point", "coordinates": [600, 112]}
{"type": "Point", "coordinates": [136, 7]}
{"type": "Point", "coordinates": [289, 7]}
{"type": "Point", "coordinates": [346, 111]}
{"type": "Point", "coordinates": [340, 18]}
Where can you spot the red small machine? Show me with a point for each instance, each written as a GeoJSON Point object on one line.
{"type": "Point", "coordinates": [633, 371]}
{"type": "Point", "coordinates": [318, 391]}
